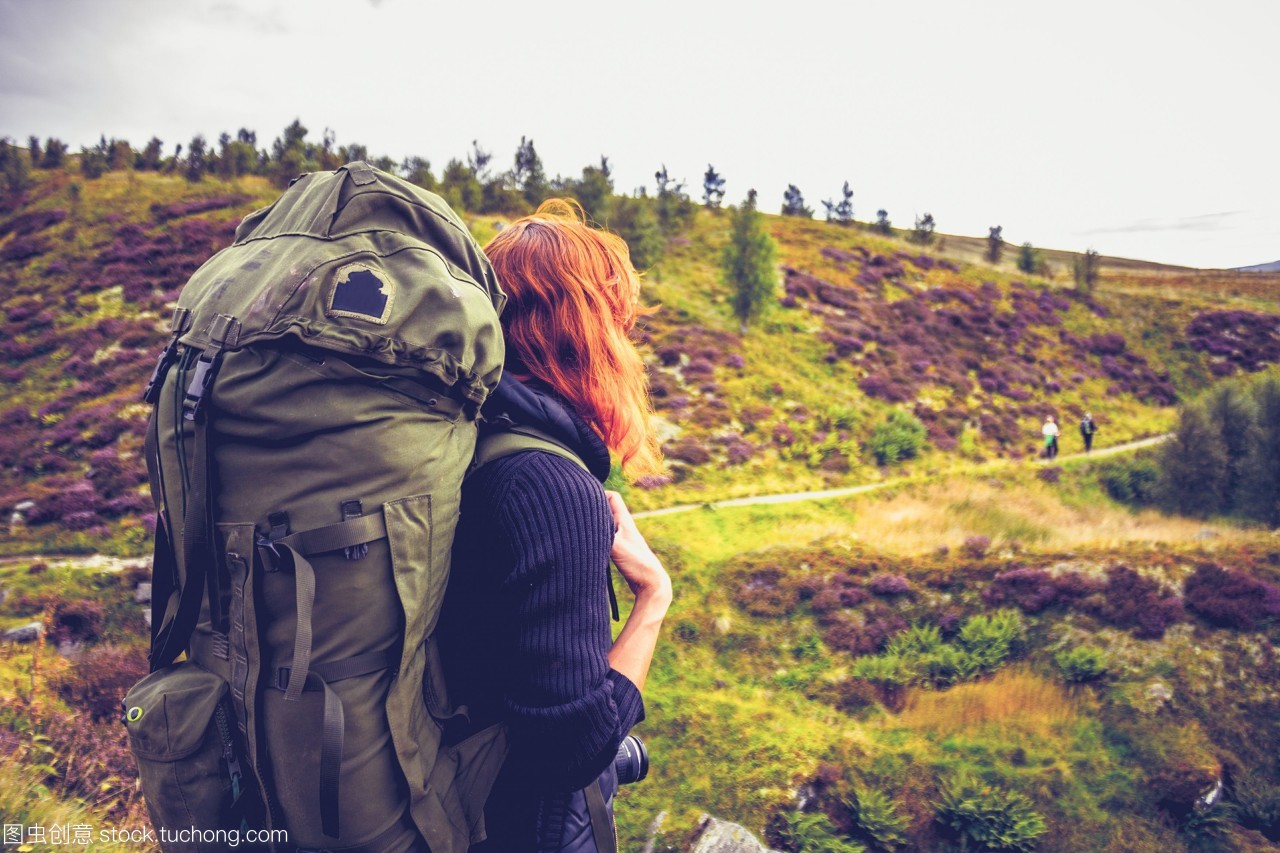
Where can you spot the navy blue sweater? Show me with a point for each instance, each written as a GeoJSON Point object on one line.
{"type": "Point", "coordinates": [525, 631]}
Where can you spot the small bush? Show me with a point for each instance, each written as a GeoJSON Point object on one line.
{"type": "Point", "coordinates": [1231, 599]}
{"type": "Point", "coordinates": [1082, 663]}
{"type": "Point", "coordinates": [986, 818]}
{"type": "Point", "coordinates": [889, 585]}
{"type": "Point", "coordinates": [976, 547]}
{"type": "Point", "coordinates": [1130, 481]}
{"type": "Point", "coordinates": [813, 832]}
{"type": "Point", "coordinates": [98, 680]}
{"type": "Point", "coordinates": [992, 638]}
{"type": "Point", "coordinates": [900, 437]}
{"type": "Point", "coordinates": [876, 816]}
{"type": "Point", "coordinates": [1257, 804]}
{"type": "Point", "coordinates": [1136, 603]}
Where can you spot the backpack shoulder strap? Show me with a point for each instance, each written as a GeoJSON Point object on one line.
{"type": "Point", "coordinates": [518, 439]}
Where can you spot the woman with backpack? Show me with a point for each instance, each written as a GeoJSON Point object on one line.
{"type": "Point", "coordinates": [525, 631]}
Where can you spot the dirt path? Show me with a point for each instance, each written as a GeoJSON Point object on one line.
{"type": "Point", "coordinates": [825, 494]}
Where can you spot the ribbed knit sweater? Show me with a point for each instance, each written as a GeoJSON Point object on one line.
{"type": "Point", "coordinates": [526, 625]}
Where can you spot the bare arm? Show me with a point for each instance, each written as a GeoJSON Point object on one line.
{"type": "Point", "coordinates": [632, 651]}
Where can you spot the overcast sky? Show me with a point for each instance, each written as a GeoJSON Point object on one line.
{"type": "Point", "coordinates": [1142, 129]}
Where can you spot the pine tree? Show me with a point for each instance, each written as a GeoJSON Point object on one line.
{"type": "Point", "coordinates": [55, 153]}
{"type": "Point", "coordinates": [196, 159]}
{"type": "Point", "coordinates": [841, 211]}
{"type": "Point", "coordinates": [1028, 259]}
{"type": "Point", "coordinates": [883, 225]}
{"type": "Point", "coordinates": [923, 232]}
{"type": "Point", "coordinates": [152, 157]}
{"type": "Point", "coordinates": [995, 244]}
{"type": "Point", "coordinates": [636, 222]}
{"type": "Point", "coordinates": [595, 190]}
{"type": "Point", "coordinates": [527, 175]}
{"type": "Point", "coordinates": [793, 203]}
{"type": "Point", "coordinates": [1231, 414]}
{"type": "Point", "coordinates": [417, 171]}
{"type": "Point", "coordinates": [15, 169]}
{"type": "Point", "coordinates": [1193, 466]}
{"type": "Point", "coordinates": [675, 208]}
{"type": "Point", "coordinates": [33, 150]}
{"type": "Point", "coordinates": [460, 187]}
{"type": "Point", "coordinates": [712, 188]}
{"type": "Point", "coordinates": [1259, 495]}
{"type": "Point", "coordinates": [1086, 271]}
{"type": "Point", "coordinates": [748, 263]}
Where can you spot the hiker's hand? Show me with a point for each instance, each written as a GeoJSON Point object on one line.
{"type": "Point", "coordinates": [635, 559]}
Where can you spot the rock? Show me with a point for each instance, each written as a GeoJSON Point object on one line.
{"type": "Point", "coordinates": [23, 633]}
{"type": "Point", "coordinates": [142, 593]}
{"type": "Point", "coordinates": [1206, 533]}
{"type": "Point", "coordinates": [721, 836]}
{"type": "Point", "coordinates": [1158, 695]}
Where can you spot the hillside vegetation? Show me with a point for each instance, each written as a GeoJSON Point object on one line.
{"type": "Point", "coordinates": [987, 645]}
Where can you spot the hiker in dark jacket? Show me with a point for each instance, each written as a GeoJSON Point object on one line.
{"type": "Point", "coordinates": [1087, 429]}
{"type": "Point", "coordinates": [526, 627]}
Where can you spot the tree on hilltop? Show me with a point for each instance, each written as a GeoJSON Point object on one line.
{"type": "Point", "coordinates": [793, 203]}
{"type": "Point", "coordinates": [417, 171]}
{"type": "Point", "coordinates": [478, 160]}
{"type": "Point", "coordinates": [675, 208]}
{"type": "Point", "coordinates": [995, 244]}
{"type": "Point", "coordinates": [15, 169]}
{"type": "Point", "coordinates": [841, 211]}
{"type": "Point", "coordinates": [527, 175]}
{"type": "Point", "coordinates": [460, 187]}
{"type": "Point", "coordinates": [595, 190]}
{"type": "Point", "coordinates": [196, 159]}
{"type": "Point", "coordinates": [291, 155]}
{"type": "Point", "coordinates": [1086, 271]}
{"type": "Point", "coordinates": [1029, 259]}
{"type": "Point", "coordinates": [712, 188]}
{"type": "Point", "coordinates": [923, 232]}
{"type": "Point", "coordinates": [151, 157]}
{"type": "Point", "coordinates": [33, 151]}
{"type": "Point", "coordinates": [55, 153]}
{"type": "Point", "coordinates": [635, 221]}
{"type": "Point", "coordinates": [748, 263]}
{"type": "Point", "coordinates": [883, 225]}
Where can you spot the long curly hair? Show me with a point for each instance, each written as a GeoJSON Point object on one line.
{"type": "Point", "coordinates": [573, 299]}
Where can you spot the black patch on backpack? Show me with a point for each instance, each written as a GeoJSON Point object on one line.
{"type": "Point", "coordinates": [362, 292]}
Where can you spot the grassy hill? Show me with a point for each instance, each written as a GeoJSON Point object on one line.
{"type": "Point", "coordinates": [870, 656]}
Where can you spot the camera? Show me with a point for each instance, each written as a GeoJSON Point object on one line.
{"type": "Point", "coordinates": [632, 760]}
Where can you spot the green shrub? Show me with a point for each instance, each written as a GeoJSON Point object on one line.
{"type": "Point", "coordinates": [876, 815]}
{"type": "Point", "coordinates": [1083, 663]}
{"type": "Point", "coordinates": [1257, 804]}
{"type": "Point", "coordinates": [886, 669]}
{"type": "Point", "coordinates": [813, 832]}
{"type": "Point", "coordinates": [1130, 481]}
{"type": "Point", "coordinates": [991, 639]}
{"type": "Point", "coordinates": [987, 818]}
{"type": "Point", "coordinates": [901, 436]}
{"type": "Point", "coordinates": [950, 665]}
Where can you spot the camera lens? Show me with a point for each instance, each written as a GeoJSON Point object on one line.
{"type": "Point", "coordinates": [632, 760]}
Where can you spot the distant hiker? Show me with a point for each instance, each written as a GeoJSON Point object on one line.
{"type": "Point", "coordinates": [1050, 431]}
{"type": "Point", "coordinates": [525, 631]}
{"type": "Point", "coordinates": [1087, 429]}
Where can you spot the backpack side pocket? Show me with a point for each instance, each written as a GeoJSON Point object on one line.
{"type": "Point", "coordinates": [181, 731]}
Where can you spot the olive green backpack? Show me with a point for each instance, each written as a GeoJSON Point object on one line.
{"type": "Point", "coordinates": [314, 415]}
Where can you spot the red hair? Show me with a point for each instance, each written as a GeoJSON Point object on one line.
{"type": "Point", "coordinates": [573, 298]}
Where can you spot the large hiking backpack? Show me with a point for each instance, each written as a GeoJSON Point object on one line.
{"type": "Point", "coordinates": [314, 415]}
